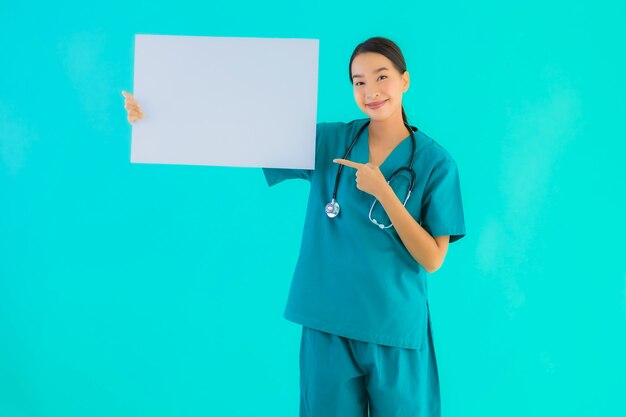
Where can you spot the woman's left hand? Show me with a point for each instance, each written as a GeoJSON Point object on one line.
{"type": "Point", "coordinates": [368, 177]}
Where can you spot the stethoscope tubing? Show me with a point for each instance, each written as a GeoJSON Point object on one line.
{"type": "Point", "coordinates": [347, 153]}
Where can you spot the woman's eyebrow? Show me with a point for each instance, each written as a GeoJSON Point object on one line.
{"type": "Point", "coordinates": [374, 72]}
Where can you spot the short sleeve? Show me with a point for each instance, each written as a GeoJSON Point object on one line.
{"type": "Point", "coordinates": [442, 204]}
{"type": "Point", "coordinates": [275, 175]}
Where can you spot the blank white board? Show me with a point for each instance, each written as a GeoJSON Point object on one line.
{"type": "Point", "coordinates": [225, 101]}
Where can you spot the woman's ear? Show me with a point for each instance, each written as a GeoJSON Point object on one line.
{"type": "Point", "coordinates": [406, 78]}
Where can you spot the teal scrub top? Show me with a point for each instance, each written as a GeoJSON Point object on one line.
{"type": "Point", "coordinates": [352, 278]}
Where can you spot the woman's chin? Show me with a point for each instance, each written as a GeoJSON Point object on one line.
{"type": "Point", "coordinates": [377, 115]}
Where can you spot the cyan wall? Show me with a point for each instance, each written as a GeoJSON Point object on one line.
{"type": "Point", "coordinates": [153, 290]}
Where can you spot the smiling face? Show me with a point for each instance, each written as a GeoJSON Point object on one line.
{"type": "Point", "coordinates": [376, 80]}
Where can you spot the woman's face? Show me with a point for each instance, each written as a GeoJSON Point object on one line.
{"type": "Point", "coordinates": [373, 85]}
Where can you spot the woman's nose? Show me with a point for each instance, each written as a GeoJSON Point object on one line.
{"type": "Point", "coordinates": [372, 94]}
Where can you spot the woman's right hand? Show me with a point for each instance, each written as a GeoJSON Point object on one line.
{"type": "Point", "coordinates": [132, 107]}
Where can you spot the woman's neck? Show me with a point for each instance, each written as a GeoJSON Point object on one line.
{"type": "Point", "coordinates": [390, 131]}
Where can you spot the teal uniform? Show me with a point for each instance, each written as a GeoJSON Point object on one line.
{"type": "Point", "coordinates": [355, 284]}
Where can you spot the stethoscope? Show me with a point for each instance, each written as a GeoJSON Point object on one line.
{"type": "Point", "coordinates": [332, 208]}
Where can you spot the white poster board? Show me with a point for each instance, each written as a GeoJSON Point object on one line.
{"type": "Point", "coordinates": [225, 101]}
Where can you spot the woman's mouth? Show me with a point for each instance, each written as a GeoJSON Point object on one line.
{"type": "Point", "coordinates": [377, 104]}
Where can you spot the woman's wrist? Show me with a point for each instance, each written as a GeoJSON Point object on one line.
{"type": "Point", "coordinates": [386, 194]}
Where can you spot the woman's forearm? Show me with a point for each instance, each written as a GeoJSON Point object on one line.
{"type": "Point", "coordinates": [420, 244]}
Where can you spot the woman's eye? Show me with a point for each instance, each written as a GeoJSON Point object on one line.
{"type": "Point", "coordinates": [359, 82]}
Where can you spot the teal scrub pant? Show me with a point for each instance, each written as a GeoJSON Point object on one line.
{"type": "Point", "coordinates": [342, 377]}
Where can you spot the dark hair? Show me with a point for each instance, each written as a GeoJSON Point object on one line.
{"type": "Point", "coordinates": [384, 47]}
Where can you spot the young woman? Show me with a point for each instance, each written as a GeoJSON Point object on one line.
{"type": "Point", "coordinates": [384, 204]}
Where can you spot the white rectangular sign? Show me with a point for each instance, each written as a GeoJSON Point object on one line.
{"type": "Point", "coordinates": [225, 101]}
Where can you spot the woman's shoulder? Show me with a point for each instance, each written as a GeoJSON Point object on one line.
{"type": "Point", "coordinates": [431, 149]}
{"type": "Point", "coordinates": [338, 133]}
{"type": "Point", "coordinates": [426, 146]}
{"type": "Point", "coordinates": [340, 126]}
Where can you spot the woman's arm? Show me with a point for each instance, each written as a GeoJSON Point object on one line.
{"type": "Point", "coordinates": [426, 250]}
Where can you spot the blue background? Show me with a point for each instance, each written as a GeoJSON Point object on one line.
{"type": "Point", "coordinates": [158, 290]}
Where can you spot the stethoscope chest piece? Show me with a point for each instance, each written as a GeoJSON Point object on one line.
{"type": "Point", "coordinates": [332, 209]}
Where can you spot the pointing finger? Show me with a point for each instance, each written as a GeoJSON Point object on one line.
{"type": "Point", "coordinates": [348, 163]}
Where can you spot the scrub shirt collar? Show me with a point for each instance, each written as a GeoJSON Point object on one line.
{"type": "Point", "coordinates": [398, 157]}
